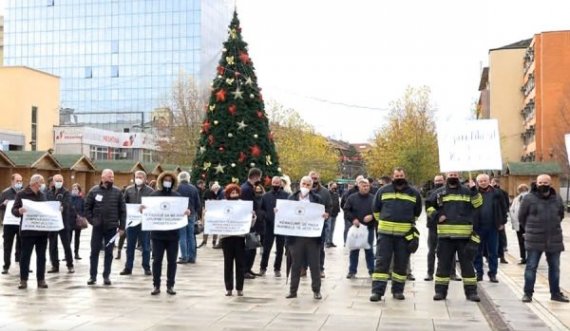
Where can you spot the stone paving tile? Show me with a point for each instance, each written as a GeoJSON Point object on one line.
{"type": "Point", "coordinates": [409, 323]}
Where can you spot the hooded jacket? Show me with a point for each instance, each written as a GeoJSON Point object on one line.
{"type": "Point", "coordinates": [161, 191]}
{"type": "Point", "coordinates": [106, 207]}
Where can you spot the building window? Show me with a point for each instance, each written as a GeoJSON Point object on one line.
{"type": "Point", "coordinates": [33, 141]}
{"type": "Point", "coordinates": [50, 3]}
{"type": "Point", "coordinates": [99, 153]}
{"type": "Point", "coordinates": [114, 46]}
{"type": "Point", "coordinates": [88, 72]}
{"type": "Point", "coordinates": [114, 71]}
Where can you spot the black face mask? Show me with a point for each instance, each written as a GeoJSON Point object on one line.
{"type": "Point", "coordinates": [108, 184]}
{"type": "Point", "coordinates": [315, 184]}
{"type": "Point", "coordinates": [543, 188]}
{"type": "Point", "coordinates": [400, 181]}
{"type": "Point", "coordinates": [438, 185]}
{"type": "Point", "coordinates": [257, 182]}
{"type": "Point", "coordinates": [453, 181]}
{"type": "Point", "coordinates": [276, 188]}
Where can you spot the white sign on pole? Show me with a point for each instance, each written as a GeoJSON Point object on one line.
{"type": "Point", "coordinates": [469, 145]}
{"type": "Point", "coordinates": [299, 219]}
{"type": "Point", "coordinates": [134, 216]}
{"type": "Point", "coordinates": [9, 218]}
{"type": "Point", "coordinates": [164, 213]}
{"type": "Point", "coordinates": [41, 216]}
{"type": "Point", "coordinates": [228, 217]}
{"type": "Point", "coordinates": [567, 140]}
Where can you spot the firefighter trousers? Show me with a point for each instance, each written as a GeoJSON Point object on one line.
{"type": "Point", "coordinates": [386, 246]}
{"type": "Point", "coordinates": [446, 249]}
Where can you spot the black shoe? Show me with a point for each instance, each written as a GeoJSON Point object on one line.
{"type": "Point", "coordinates": [249, 276]}
{"type": "Point", "coordinates": [455, 277]}
{"type": "Point", "coordinates": [240, 293]}
{"type": "Point", "coordinates": [439, 296]}
{"type": "Point", "coordinates": [332, 245]}
{"type": "Point", "coordinates": [23, 285]}
{"type": "Point", "coordinates": [317, 295]}
{"type": "Point", "coordinates": [126, 272]}
{"type": "Point", "coordinates": [182, 262]}
{"type": "Point", "coordinates": [411, 277]}
{"type": "Point", "coordinates": [147, 272]}
{"type": "Point", "coordinates": [77, 257]}
{"type": "Point", "coordinates": [4, 271]}
{"type": "Point", "coordinates": [91, 281]}
{"type": "Point", "coordinates": [228, 293]}
{"type": "Point", "coordinates": [277, 273]}
{"type": "Point", "coordinates": [522, 261]}
{"type": "Point", "coordinates": [201, 244]}
{"type": "Point", "coordinates": [322, 274]}
{"type": "Point", "coordinates": [527, 298]}
{"type": "Point", "coordinates": [560, 297]}
{"type": "Point", "coordinates": [473, 297]}
{"type": "Point", "coordinates": [398, 296]}
{"type": "Point", "coordinates": [428, 278]}
{"type": "Point", "coordinates": [70, 270]}
{"type": "Point", "coordinates": [375, 297]}
{"type": "Point", "coordinates": [350, 276]}
{"type": "Point", "coordinates": [504, 261]}
{"type": "Point", "coordinates": [42, 284]}
{"type": "Point", "coordinates": [107, 281]}
{"type": "Point", "coordinates": [291, 296]}
{"type": "Point", "coordinates": [262, 272]}
{"type": "Point", "coordinates": [479, 278]}
{"type": "Point", "coordinates": [118, 255]}
{"type": "Point", "coordinates": [493, 279]}
{"type": "Point", "coordinates": [155, 291]}
{"type": "Point", "coordinates": [53, 270]}
{"type": "Point", "coordinates": [170, 291]}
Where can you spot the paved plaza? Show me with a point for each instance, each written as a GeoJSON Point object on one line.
{"type": "Point", "coordinates": [69, 304]}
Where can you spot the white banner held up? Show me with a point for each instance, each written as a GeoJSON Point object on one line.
{"type": "Point", "coordinates": [299, 219]}
{"type": "Point", "coordinates": [567, 140]}
{"type": "Point", "coordinates": [9, 218]}
{"type": "Point", "coordinates": [134, 216]}
{"type": "Point", "coordinates": [41, 216]}
{"type": "Point", "coordinates": [228, 217]}
{"type": "Point", "coordinates": [164, 213]}
{"type": "Point", "coordinates": [469, 145]}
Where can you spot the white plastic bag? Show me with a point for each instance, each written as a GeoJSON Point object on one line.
{"type": "Point", "coordinates": [357, 237]}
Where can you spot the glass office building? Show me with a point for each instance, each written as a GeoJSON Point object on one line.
{"type": "Point", "coordinates": [116, 57]}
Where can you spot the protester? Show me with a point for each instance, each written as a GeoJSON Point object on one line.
{"type": "Point", "coordinates": [431, 224]}
{"type": "Point", "coordinates": [335, 209]}
{"type": "Point", "coordinates": [30, 238]}
{"type": "Point", "coordinates": [352, 189]}
{"type": "Point", "coordinates": [495, 182]}
{"type": "Point", "coordinates": [77, 210]}
{"type": "Point", "coordinates": [214, 193]}
{"type": "Point", "coordinates": [187, 237]}
{"type": "Point", "coordinates": [522, 190]}
{"type": "Point", "coordinates": [10, 231]}
{"type": "Point", "coordinates": [540, 214]}
{"type": "Point", "coordinates": [325, 196]}
{"type": "Point", "coordinates": [133, 194]}
{"type": "Point", "coordinates": [305, 249]}
{"type": "Point", "coordinates": [106, 211]}
{"type": "Point", "coordinates": [247, 193]}
{"type": "Point", "coordinates": [165, 241]}
{"type": "Point", "coordinates": [58, 193]}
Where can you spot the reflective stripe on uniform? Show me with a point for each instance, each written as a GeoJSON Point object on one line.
{"type": "Point", "coordinates": [477, 200]}
{"type": "Point", "coordinates": [398, 196]}
{"type": "Point", "coordinates": [396, 228]}
{"type": "Point", "coordinates": [456, 197]}
{"type": "Point", "coordinates": [398, 278]}
{"type": "Point", "coordinates": [441, 280]}
{"type": "Point", "coordinates": [380, 276]}
{"type": "Point", "coordinates": [455, 230]}
{"type": "Point", "coordinates": [430, 211]}
{"type": "Point", "coordinates": [469, 280]}
{"type": "Point", "coordinates": [475, 238]}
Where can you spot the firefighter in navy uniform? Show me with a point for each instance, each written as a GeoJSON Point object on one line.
{"type": "Point", "coordinates": [454, 207]}
{"type": "Point", "coordinates": [396, 208]}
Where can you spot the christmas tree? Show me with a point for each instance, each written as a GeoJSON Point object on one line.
{"type": "Point", "coordinates": [235, 135]}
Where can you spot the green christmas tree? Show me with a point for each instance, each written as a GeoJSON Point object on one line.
{"type": "Point", "coordinates": [235, 135]}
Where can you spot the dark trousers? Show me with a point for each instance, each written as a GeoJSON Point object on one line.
{"type": "Point", "coordinates": [369, 254]}
{"type": "Point", "coordinates": [135, 233]}
{"type": "Point", "coordinates": [520, 239]}
{"type": "Point", "coordinates": [98, 235]}
{"type": "Point", "coordinates": [249, 259]}
{"type": "Point", "coordinates": [268, 246]}
{"type": "Point", "coordinates": [234, 253]}
{"type": "Point", "coordinates": [432, 246]}
{"type": "Point", "coordinates": [53, 250]}
{"type": "Point", "coordinates": [122, 241]}
{"type": "Point", "coordinates": [446, 250]}
{"type": "Point", "coordinates": [76, 235]}
{"type": "Point", "coordinates": [386, 246]}
{"type": "Point", "coordinates": [490, 244]}
{"type": "Point", "coordinates": [553, 260]}
{"type": "Point", "coordinates": [502, 243]}
{"type": "Point", "coordinates": [11, 232]}
{"type": "Point", "coordinates": [28, 243]}
{"type": "Point", "coordinates": [305, 249]}
{"type": "Point", "coordinates": [159, 246]}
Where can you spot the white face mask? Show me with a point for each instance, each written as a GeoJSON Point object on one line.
{"type": "Point", "coordinates": [138, 181]}
{"type": "Point", "coordinates": [167, 184]}
{"type": "Point", "coordinates": [18, 186]}
{"type": "Point", "coordinates": [58, 185]}
{"type": "Point", "coordinates": [43, 187]}
{"type": "Point", "coordinates": [304, 191]}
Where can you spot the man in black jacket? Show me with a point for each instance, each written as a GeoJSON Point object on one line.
{"type": "Point", "coordinates": [105, 210]}
{"type": "Point", "coordinates": [31, 239]}
{"type": "Point", "coordinates": [57, 192]}
{"type": "Point", "coordinates": [187, 237]}
{"type": "Point", "coordinates": [335, 209]}
{"type": "Point", "coordinates": [540, 214]}
{"type": "Point", "coordinates": [248, 194]}
{"type": "Point", "coordinates": [10, 230]}
{"type": "Point", "coordinates": [495, 182]}
{"type": "Point", "coordinates": [325, 196]}
{"type": "Point", "coordinates": [268, 203]}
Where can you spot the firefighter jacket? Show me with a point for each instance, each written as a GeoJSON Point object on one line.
{"type": "Point", "coordinates": [459, 205]}
{"type": "Point", "coordinates": [396, 210]}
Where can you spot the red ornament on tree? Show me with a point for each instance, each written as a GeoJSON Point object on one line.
{"type": "Point", "coordinates": [255, 151]}
{"type": "Point", "coordinates": [210, 139]}
{"type": "Point", "coordinates": [220, 70]}
{"type": "Point", "coordinates": [232, 109]}
{"type": "Point", "coordinates": [221, 95]}
{"type": "Point", "coordinates": [221, 148]}
{"type": "Point", "coordinates": [206, 126]}
{"type": "Point", "coordinates": [244, 57]}
{"type": "Point", "coordinates": [242, 157]}
{"type": "Point", "coordinates": [259, 114]}
{"type": "Point", "coordinates": [203, 175]}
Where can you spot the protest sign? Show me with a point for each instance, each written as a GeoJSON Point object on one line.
{"type": "Point", "coordinates": [134, 216]}
{"type": "Point", "coordinates": [9, 218]}
{"type": "Point", "coordinates": [228, 217]}
{"type": "Point", "coordinates": [41, 216]}
{"type": "Point", "coordinates": [164, 213]}
{"type": "Point", "coordinates": [298, 218]}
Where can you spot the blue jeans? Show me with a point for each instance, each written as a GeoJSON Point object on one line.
{"type": "Point", "coordinates": [490, 245]}
{"type": "Point", "coordinates": [532, 259]}
{"type": "Point", "coordinates": [353, 261]}
{"type": "Point", "coordinates": [134, 233]}
{"type": "Point", "coordinates": [329, 230]}
{"type": "Point", "coordinates": [188, 241]}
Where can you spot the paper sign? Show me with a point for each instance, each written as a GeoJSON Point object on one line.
{"type": "Point", "coordinates": [41, 216]}
{"type": "Point", "coordinates": [469, 145]}
{"type": "Point", "coordinates": [134, 216]}
{"type": "Point", "coordinates": [228, 217]}
{"type": "Point", "coordinates": [164, 213]}
{"type": "Point", "coordinates": [9, 218]}
{"type": "Point", "coordinates": [299, 219]}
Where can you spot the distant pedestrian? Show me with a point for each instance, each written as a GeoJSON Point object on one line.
{"type": "Point", "coordinates": [187, 237]}
{"type": "Point", "coordinates": [335, 209]}
{"type": "Point", "coordinates": [11, 231]}
{"type": "Point", "coordinates": [77, 211]}
{"type": "Point", "coordinates": [522, 190]}
{"type": "Point", "coordinates": [57, 192]}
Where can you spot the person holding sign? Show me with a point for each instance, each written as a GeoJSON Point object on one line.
{"type": "Point", "coordinates": [58, 193]}
{"type": "Point", "coordinates": [106, 211]}
{"type": "Point", "coordinates": [396, 207]}
{"type": "Point", "coordinates": [305, 249]}
{"type": "Point", "coordinates": [165, 241]}
{"type": "Point", "coordinates": [133, 195]}
{"type": "Point", "coordinates": [10, 230]}
{"type": "Point", "coordinates": [31, 239]}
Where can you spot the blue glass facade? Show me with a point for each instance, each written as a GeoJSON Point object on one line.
{"type": "Point", "coordinates": [116, 55]}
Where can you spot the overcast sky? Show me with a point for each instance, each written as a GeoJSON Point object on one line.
{"type": "Point", "coordinates": [321, 56]}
